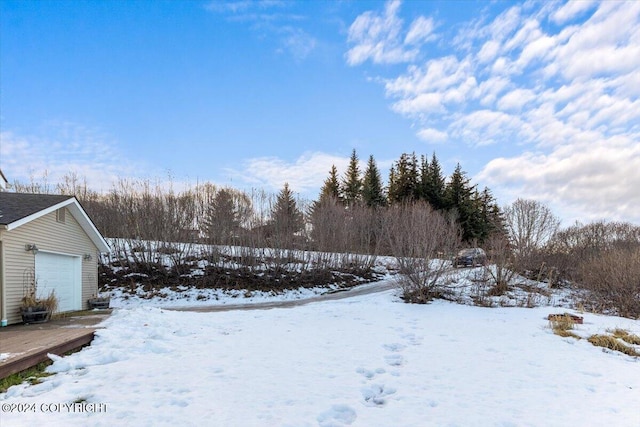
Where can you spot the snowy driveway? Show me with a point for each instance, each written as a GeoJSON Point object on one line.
{"type": "Point", "coordinates": [372, 288]}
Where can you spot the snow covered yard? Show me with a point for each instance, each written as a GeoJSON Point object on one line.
{"type": "Point", "coordinates": [364, 361]}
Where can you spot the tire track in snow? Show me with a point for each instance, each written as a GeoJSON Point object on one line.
{"type": "Point", "coordinates": [381, 286]}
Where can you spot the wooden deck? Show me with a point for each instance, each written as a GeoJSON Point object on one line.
{"type": "Point", "coordinates": [24, 346]}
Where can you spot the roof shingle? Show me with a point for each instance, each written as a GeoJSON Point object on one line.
{"type": "Point", "coordinates": [15, 206]}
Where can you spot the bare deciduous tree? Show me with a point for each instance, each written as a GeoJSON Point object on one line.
{"type": "Point", "coordinates": [420, 238]}
{"type": "Point", "coordinates": [613, 278]}
{"type": "Point", "coordinates": [502, 268]}
{"type": "Point", "coordinates": [530, 225]}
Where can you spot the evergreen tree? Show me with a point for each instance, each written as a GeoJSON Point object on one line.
{"type": "Point", "coordinates": [405, 180]}
{"type": "Point", "coordinates": [222, 218]}
{"type": "Point", "coordinates": [392, 188]}
{"type": "Point", "coordinates": [424, 178]}
{"type": "Point", "coordinates": [323, 213]}
{"type": "Point", "coordinates": [352, 185]}
{"type": "Point", "coordinates": [434, 184]}
{"type": "Point", "coordinates": [459, 200]}
{"type": "Point", "coordinates": [286, 218]}
{"type": "Point", "coordinates": [414, 177]}
{"type": "Point", "coordinates": [331, 186]}
{"type": "Point", "coordinates": [372, 191]}
{"type": "Point", "coordinates": [492, 220]}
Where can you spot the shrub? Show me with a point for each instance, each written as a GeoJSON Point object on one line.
{"type": "Point", "coordinates": [613, 279]}
{"type": "Point", "coordinates": [417, 237]}
{"type": "Point", "coordinates": [503, 268]}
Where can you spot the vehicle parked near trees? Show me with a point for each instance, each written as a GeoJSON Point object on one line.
{"type": "Point", "coordinates": [470, 257]}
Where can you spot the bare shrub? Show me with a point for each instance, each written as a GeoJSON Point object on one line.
{"type": "Point", "coordinates": [417, 235]}
{"type": "Point", "coordinates": [502, 268]}
{"type": "Point", "coordinates": [530, 225]}
{"type": "Point", "coordinates": [613, 279]}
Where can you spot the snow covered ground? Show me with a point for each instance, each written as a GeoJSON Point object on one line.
{"type": "Point", "coordinates": [369, 360]}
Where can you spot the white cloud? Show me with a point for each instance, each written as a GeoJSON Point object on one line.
{"type": "Point", "coordinates": [505, 24]}
{"type": "Point", "coordinates": [607, 43]}
{"type": "Point", "coordinates": [489, 51]}
{"type": "Point", "coordinates": [432, 135]}
{"type": "Point", "coordinates": [424, 103]}
{"type": "Point", "coordinates": [516, 99]}
{"type": "Point", "coordinates": [586, 181]}
{"type": "Point", "coordinates": [563, 100]}
{"type": "Point", "coordinates": [267, 18]}
{"type": "Point", "coordinates": [437, 75]}
{"type": "Point", "coordinates": [297, 42]}
{"type": "Point", "coordinates": [377, 37]}
{"type": "Point", "coordinates": [421, 31]}
{"type": "Point", "coordinates": [489, 90]}
{"type": "Point", "coordinates": [305, 174]}
{"type": "Point", "coordinates": [485, 127]}
{"type": "Point", "coordinates": [529, 30]}
{"type": "Point", "coordinates": [67, 148]}
{"type": "Point", "coordinates": [570, 10]}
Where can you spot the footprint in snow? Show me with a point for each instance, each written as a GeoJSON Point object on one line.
{"type": "Point", "coordinates": [337, 416]}
{"type": "Point", "coordinates": [368, 373]}
{"type": "Point", "coordinates": [395, 347]}
{"type": "Point", "coordinates": [413, 339]}
{"type": "Point", "coordinates": [376, 394]}
{"type": "Point", "coordinates": [394, 360]}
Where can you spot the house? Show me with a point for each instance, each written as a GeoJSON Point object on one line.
{"type": "Point", "coordinates": [49, 239]}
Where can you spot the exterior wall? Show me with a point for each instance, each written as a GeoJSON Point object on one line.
{"type": "Point", "coordinates": [49, 235]}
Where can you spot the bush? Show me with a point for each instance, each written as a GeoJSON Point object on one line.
{"type": "Point", "coordinates": [417, 237]}
{"type": "Point", "coordinates": [613, 279]}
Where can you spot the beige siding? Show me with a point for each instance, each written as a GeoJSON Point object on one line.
{"type": "Point", "coordinates": [51, 236]}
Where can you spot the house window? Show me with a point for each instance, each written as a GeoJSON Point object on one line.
{"type": "Point", "coordinates": [60, 214]}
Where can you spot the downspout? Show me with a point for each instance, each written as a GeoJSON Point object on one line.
{"type": "Point", "coordinates": [3, 299]}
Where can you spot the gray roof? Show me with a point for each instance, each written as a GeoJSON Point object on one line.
{"type": "Point", "coordinates": [15, 206]}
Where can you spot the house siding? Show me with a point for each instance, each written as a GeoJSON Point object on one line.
{"type": "Point", "coordinates": [49, 235]}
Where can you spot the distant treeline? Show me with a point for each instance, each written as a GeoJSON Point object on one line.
{"type": "Point", "coordinates": [353, 203]}
{"type": "Point", "coordinates": [418, 216]}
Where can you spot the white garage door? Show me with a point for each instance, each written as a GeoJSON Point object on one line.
{"type": "Point", "coordinates": [61, 274]}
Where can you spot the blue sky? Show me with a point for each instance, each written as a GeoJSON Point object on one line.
{"type": "Point", "coordinates": [538, 100]}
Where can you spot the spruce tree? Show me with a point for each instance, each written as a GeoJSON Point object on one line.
{"type": "Point", "coordinates": [222, 218]}
{"type": "Point", "coordinates": [434, 184]}
{"type": "Point", "coordinates": [372, 190]}
{"type": "Point", "coordinates": [424, 178]}
{"type": "Point", "coordinates": [286, 218]}
{"type": "Point", "coordinates": [492, 216]}
{"type": "Point", "coordinates": [352, 185]}
{"type": "Point", "coordinates": [392, 189]}
{"type": "Point", "coordinates": [405, 179]}
{"type": "Point", "coordinates": [331, 186]}
{"type": "Point", "coordinates": [324, 212]}
{"type": "Point", "coordinates": [459, 201]}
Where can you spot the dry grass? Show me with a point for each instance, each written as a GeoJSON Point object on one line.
{"type": "Point", "coordinates": [612, 343]}
{"type": "Point", "coordinates": [562, 326]}
{"type": "Point", "coordinates": [626, 336]}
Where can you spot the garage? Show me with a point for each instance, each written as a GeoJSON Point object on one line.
{"type": "Point", "coordinates": [62, 275]}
